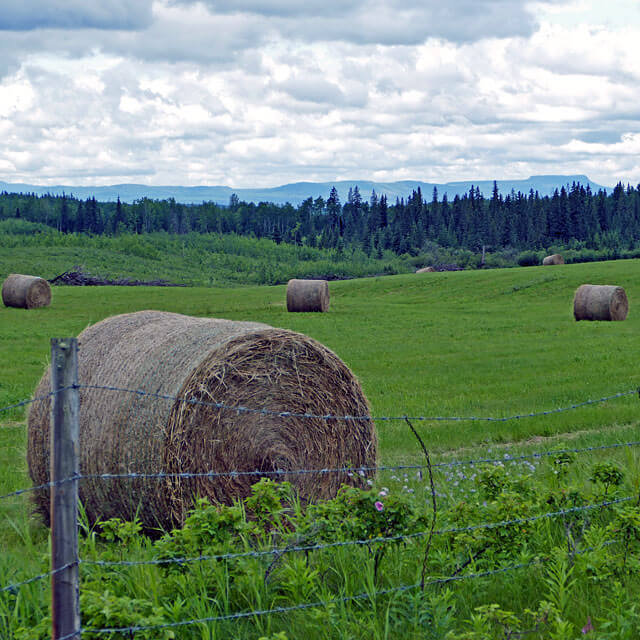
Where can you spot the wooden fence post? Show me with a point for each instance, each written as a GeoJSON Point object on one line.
{"type": "Point", "coordinates": [65, 593]}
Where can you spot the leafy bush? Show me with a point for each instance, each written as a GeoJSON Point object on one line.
{"type": "Point", "coordinates": [529, 259]}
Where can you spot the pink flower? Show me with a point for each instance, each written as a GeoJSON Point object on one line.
{"type": "Point", "coordinates": [378, 505]}
{"type": "Point", "coordinates": [587, 627]}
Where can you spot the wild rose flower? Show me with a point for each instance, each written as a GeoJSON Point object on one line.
{"type": "Point", "coordinates": [378, 505]}
{"type": "Point", "coordinates": [587, 627]}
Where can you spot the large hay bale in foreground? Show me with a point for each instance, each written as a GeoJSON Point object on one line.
{"type": "Point", "coordinates": [426, 270]}
{"type": "Point", "coordinates": [556, 258]}
{"type": "Point", "coordinates": [307, 295]}
{"type": "Point", "coordinates": [25, 292]}
{"type": "Point", "coordinates": [600, 302]}
{"type": "Point", "coordinates": [240, 364]}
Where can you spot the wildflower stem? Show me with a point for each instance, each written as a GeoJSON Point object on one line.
{"type": "Point", "coordinates": [433, 501]}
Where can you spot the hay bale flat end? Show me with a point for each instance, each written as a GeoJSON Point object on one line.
{"type": "Point", "coordinates": [25, 292]}
{"type": "Point", "coordinates": [600, 302]}
{"type": "Point", "coordinates": [307, 295]}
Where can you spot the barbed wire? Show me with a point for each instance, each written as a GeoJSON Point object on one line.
{"type": "Point", "coordinates": [299, 607]}
{"type": "Point", "coordinates": [290, 414]}
{"type": "Point", "coordinates": [16, 585]}
{"type": "Point", "coordinates": [353, 470]}
{"type": "Point", "coordinates": [45, 485]}
{"type": "Point", "coordinates": [324, 603]}
{"type": "Point", "coordinates": [361, 542]}
{"type": "Point", "coordinates": [23, 403]}
{"type": "Point", "coordinates": [362, 470]}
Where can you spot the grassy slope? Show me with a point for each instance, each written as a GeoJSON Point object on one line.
{"type": "Point", "coordinates": [193, 259]}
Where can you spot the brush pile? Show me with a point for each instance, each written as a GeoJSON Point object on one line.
{"type": "Point", "coordinates": [77, 278]}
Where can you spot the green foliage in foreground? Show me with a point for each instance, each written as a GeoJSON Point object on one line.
{"type": "Point", "coordinates": [514, 550]}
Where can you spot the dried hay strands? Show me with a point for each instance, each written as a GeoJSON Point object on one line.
{"type": "Point", "coordinates": [600, 302]}
{"type": "Point", "coordinates": [25, 292]}
{"type": "Point", "coordinates": [307, 295]}
{"type": "Point", "coordinates": [426, 270]}
{"type": "Point", "coordinates": [556, 258]}
{"type": "Point", "coordinates": [241, 364]}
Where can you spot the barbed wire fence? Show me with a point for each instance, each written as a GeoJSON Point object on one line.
{"type": "Point", "coordinates": [66, 561]}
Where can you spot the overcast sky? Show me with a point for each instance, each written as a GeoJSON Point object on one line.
{"type": "Point", "coordinates": [254, 93]}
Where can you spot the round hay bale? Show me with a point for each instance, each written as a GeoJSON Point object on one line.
{"type": "Point", "coordinates": [25, 292]}
{"type": "Point", "coordinates": [600, 302]}
{"type": "Point", "coordinates": [426, 270]}
{"type": "Point", "coordinates": [307, 295]}
{"type": "Point", "coordinates": [556, 258]}
{"type": "Point", "coordinates": [239, 364]}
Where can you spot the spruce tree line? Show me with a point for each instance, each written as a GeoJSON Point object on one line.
{"type": "Point", "coordinates": [572, 216]}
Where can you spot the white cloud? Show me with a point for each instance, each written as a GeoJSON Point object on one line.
{"type": "Point", "coordinates": [261, 93]}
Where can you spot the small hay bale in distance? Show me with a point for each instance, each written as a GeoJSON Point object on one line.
{"type": "Point", "coordinates": [600, 302]}
{"type": "Point", "coordinates": [426, 270]}
{"type": "Point", "coordinates": [204, 361]}
{"type": "Point", "coordinates": [556, 258]}
{"type": "Point", "coordinates": [25, 292]}
{"type": "Point", "coordinates": [307, 295]}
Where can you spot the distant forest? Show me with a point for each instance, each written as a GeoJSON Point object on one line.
{"type": "Point", "coordinates": [573, 217]}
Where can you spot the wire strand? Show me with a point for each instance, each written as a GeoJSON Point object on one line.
{"type": "Point", "coordinates": [290, 414]}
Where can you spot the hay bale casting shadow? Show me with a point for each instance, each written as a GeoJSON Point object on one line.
{"type": "Point", "coordinates": [600, 302]}
{"type": "Point", "coordinates": [241, 364]}
{"type": "Point", "coordinates": [426, 270]}
{"type": "Point", "coordinates": [25, 292]}
{"type": "Point", "coordinates": [556, 258]}
{"type": "Point", "coordinates": [307, 295]}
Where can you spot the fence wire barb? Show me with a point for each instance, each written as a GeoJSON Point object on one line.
{"type": "Point", "coordinates": [291, 414]}
{"type": "Point", "coordinates": [32, 400]}
{"type": "Point", "coordinates": [45, 485]}
{"type": "Point", "coordinates": [16, 585]}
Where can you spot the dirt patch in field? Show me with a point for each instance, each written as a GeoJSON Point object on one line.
{"type": "Point", "coordinates": [538, 440]}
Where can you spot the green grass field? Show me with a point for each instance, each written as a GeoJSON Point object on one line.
{"type": "Point", "coordinates": [471, 343]}
{"type": "Point", "coordinates": [490, 343]}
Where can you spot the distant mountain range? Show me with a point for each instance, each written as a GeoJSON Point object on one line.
{"type": "Point", "coordinates": [296, 192]}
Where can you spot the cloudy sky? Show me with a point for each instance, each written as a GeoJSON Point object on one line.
{"type": "Point", "coordinates": [255, 93]}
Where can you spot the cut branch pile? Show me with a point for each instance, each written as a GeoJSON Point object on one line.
{"type": "Point", "coordinates": [78, 278]}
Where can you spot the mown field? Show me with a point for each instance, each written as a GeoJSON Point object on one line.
{"type": "Point", "coordinates": [473, 343]}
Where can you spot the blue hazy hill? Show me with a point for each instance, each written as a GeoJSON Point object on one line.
{"type": "Point", "coordinates": [296, 192]}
